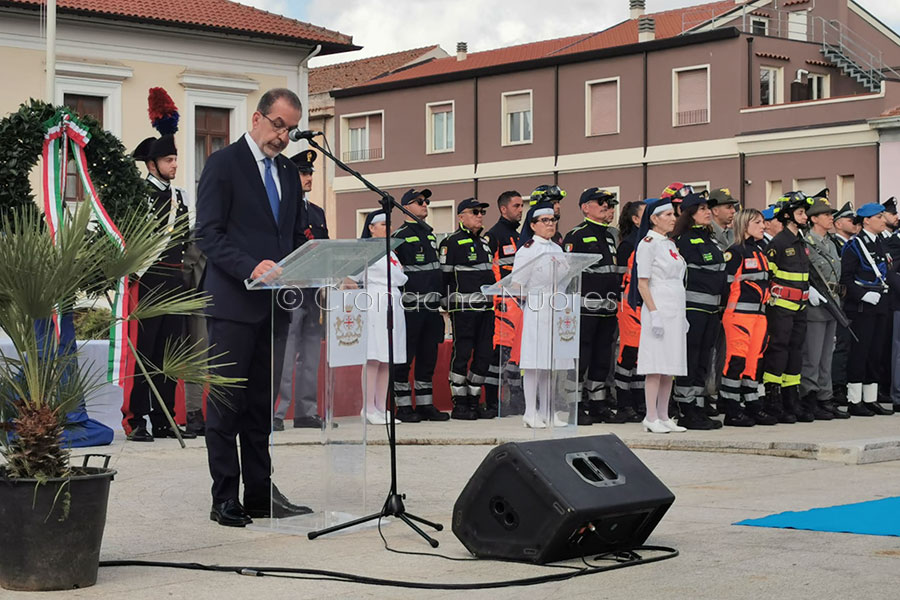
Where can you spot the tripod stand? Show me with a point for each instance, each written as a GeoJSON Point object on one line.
{"type": "Point", "coordinates": [393, 504]}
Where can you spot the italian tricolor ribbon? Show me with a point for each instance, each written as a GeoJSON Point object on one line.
{"type": "Point", "coordinates": [63, 127]}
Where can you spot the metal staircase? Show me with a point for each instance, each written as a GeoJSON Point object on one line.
{"type": "Point", "coordinates": [850, 54]}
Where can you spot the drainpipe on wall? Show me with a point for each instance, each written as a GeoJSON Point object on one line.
{"type": "Point", "coordinates": [475, 123]}
{"type": "Point", "coordinates": [749, 71]}
{"type": "Point", "coordinates": [743, 163]}
{"type": "Point", "coordinates": [303, 84]}
{"type": "Point", "coordinates": [555, 116]}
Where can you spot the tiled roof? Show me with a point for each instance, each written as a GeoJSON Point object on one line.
{"type": "Point", "coordinates": [212, 15]}
{"type": "Point", "coordinates": [668, 24]}
{"type": "Point", "coordinates": [355, 72]}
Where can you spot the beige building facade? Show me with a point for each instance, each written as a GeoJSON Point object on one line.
{"type": "Point", "coordinates": [214, 67]}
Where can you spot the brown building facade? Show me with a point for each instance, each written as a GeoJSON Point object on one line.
{"type": "Point", "coordinates": [750, 96]}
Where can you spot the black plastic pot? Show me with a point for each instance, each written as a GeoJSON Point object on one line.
{"type": "Point", "coordinates": [42, 549]}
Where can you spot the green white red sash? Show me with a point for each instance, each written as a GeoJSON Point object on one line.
{"type": "Point", "coordinates": [61, 128]}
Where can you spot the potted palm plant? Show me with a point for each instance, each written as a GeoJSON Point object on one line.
{"type": "Point", "coordinates": [53, 512]}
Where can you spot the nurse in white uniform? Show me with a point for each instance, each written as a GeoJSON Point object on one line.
{"type": "Point", "coordinates": [540, 225]}
{"type": "Point", "coordinates": [375, 377]}
{"type": "Point", "coordinates": [662, 355]}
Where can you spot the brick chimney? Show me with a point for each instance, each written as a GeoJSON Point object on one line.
{"type": "Point", "coordinates": [646, 29]}
{"type": "Point", "coordinates": [637, 8]}
{"type": "Point", "coordinates": [462, 50]}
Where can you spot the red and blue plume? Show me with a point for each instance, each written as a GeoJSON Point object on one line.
{"type": "Point", "coordinates": [163, 112]}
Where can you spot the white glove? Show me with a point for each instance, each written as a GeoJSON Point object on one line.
{"type": "Point", "coordinates": [656, 324]}
{"type": "Point", "coordinates": [870, 298]}
{"type": "Point", "coordinates": [687, 325]}
{"type": "Point", "coordinates": [815, 298]}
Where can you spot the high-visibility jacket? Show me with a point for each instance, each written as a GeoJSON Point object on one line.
{"type": "Point", "coordinates": [747, 272]}
{"type": "Point", "coordinates": [419, 257]}
{"type": "Point", "coordinates": [789, 270]}
{"type": "Point", "coordinates": [601, 283]}
{"type": "Point", "coordinates": [503, 240]}
{"type": "Point", "coordinates": [705, 269]}
{"type": "Point", "coordinates": [466, 264]}
{"type": "Point", "coordinates": [629, 318]}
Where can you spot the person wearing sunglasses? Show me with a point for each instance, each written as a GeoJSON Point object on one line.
{"type": "Point", "coordinates": [467, 265]}
{"type": "Point", "coordinates": [786, 313]}
{"type": "Point", "coordinates": [421, 304]}
{"type": "Point", "coordinates": [600, 285]}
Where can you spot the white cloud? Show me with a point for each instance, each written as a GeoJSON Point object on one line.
{"type": "Point", "coordinates": [383, 26]}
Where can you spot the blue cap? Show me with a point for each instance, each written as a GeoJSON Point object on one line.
{"type": "Point", "coordinates": [694, 199]}
{"type": "Point", "coordinates": [470, 203]}
{"type": "Point", "coordinates": [869, 210]}
{"type": "Point", "coordinates": [410, 195]}
{"type": "Point", "coordinates": [768, 213]}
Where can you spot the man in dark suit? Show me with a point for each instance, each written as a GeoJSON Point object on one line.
{"type": "Point", "coordinates": [247, 220]}
{"type": "Point", "coordinates": [304, 341]}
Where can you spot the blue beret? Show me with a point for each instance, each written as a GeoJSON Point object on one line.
{"type": "Point", "coordinates": [768, 213]}
{"type": "Point", "coordinates": [869, 210]}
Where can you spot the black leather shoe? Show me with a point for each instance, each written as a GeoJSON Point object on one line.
{"type": "Point", "coordinates": [277, 424]}
{"type": "Point", "coordinates": [860, 409]}
{"type": "Point", "coordinates": [878, 409]}
{"type": "Point", "coordinates": [166, 432]}
{"type": "Point", "coordinates": [406, 414]}
{"type": "Point", "coordinates": [281, 508]}
{"type": "Point", "coordinates": [584, 418]}
{"type": "Point", "coordinates": [140, 434]}
{"type": "Point", "coordinates": [836, 412]}
{"type": "Point", "coordinates": [313, 422]}
{"type": "Point", "coordinates": [230, 514]}
{"type": "Point", "coordinates": [601, 413]}
{"type": "Point", "coordinates": [694, 417]}
{"type": "Point", "coordinates": [629, 414]}
{"type": "Point", "coordinates": [195, 422]}
{"type": "Point", "coordinates": [429, 413]}
{"type": "Point", "coordinates": [485, 412]}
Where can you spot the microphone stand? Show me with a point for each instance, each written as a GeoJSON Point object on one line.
{"type": "Point", "coordinates": [393, 504]}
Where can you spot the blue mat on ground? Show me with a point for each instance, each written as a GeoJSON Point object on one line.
{"type": "Point", "coordinates": [875, 517]}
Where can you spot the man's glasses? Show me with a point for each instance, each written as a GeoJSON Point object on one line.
{"type": "Point", "coordinates": [277, 126]}
{"type": "Point", "coordinates": [422, 201]}
{"type": "Point", "coordinates": [546, 220]}
{"type": "Point", "coordinates": [479, 211]}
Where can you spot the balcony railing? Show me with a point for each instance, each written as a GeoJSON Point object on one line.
{"type": "Point", "coordinates": [364, 154]}
{"type": "Point", "coordinates": [692, 117]}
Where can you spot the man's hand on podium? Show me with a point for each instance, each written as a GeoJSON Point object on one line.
{"type": "Point", "coordinates": [269, 268]}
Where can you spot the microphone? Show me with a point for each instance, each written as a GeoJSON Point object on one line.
{"type": "Point", "coordinates": [296, 135]}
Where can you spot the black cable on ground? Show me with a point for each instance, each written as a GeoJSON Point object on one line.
{"type": "Point", "coordinates": [622, 560]}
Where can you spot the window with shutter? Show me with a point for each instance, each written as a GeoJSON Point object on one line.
{"type": "Point", "coordinates": [517, 118]}
{"type": "Point", "coordinates": [603, 107]}
{"type": "Point", "coordinates": [691, 96]}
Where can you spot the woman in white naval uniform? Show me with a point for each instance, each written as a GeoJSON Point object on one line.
{"type": "Point", "coordinates": [375, 376]}
{"type": "Point", "coordinates": [536, 342]}
{"type": "Point", "coordinates": [659, 270]}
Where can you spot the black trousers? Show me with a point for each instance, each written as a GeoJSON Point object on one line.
{"type": "Point", "coordinates": [783, 358]}
{"type": "Point", "coordinates": [866, 361]}
{"type": "Point", "coordinates": [701, 340]}
{"type": "Point", "coordinates": [257, 352]}
{"type": "Point", "coordinates": [840, 356]}
{"type": "Point", "coordinates": [153, 336]}
{"type": "Point", "coordinates": [424, 333]}
{"type": "Point", "coordinates": [473, 340]}
{"type": "Point", "coordinates": [595, 347]}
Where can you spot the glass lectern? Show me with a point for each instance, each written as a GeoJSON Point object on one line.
{"type": "Point", "coordinates": [327, 278]}
{"type": "Point", "coordinates": [548, 291]}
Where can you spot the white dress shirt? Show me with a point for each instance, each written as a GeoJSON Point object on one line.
{"type": "Point", "coordinates": [260, 156]}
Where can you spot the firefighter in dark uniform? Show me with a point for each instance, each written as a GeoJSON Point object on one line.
{"type": "Point", "coordinates": [163, 277]}
{"type": "Point", "coordinates": [870, 281]}
{"type": "Point", "coordinates": [705, 287]}
{"type": "Point", "coordinates": [302, 350]}
{"type": "Point", "coordinates": [503, 241]}
{"type": "Point", "coordinates": [844, 230]}
{"type": "Point", "coordinates": [550, 193]}
{"type": "Point", "coordinates": [786, 313]}
{"type": "Point", "coordinates": [600, 286]}
{"type": "Point", "coordinates": [421, 305]}
{"type": "Point", "coordinates": [467, 265]}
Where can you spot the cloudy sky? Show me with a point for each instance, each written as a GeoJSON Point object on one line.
{"type": "Point", "coordinates": [383, 26]}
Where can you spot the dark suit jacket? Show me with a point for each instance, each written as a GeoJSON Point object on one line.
{"type": "Point", "coordinates": [314, 219]}
{"type": "Point", "coordinates": [236, 229]}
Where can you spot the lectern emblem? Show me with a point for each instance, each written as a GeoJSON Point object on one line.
{"type": "Point", "coordinates": [567, 325]}
{"type": "Point", "coordinates": [348, 327]}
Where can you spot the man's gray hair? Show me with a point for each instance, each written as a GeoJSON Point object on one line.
{"type": "Point", "coordinates": [264, 106]}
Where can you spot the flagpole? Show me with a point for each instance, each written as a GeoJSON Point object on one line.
{"type": "Point", "coordinates": [51, 52]}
